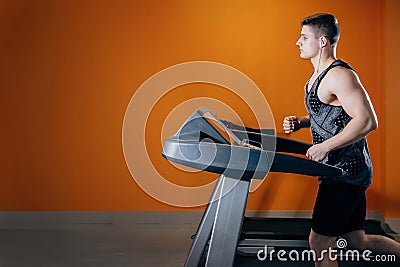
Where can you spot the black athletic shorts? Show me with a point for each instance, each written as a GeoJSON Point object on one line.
{"type": "Point", "coordinates": [340, 208]}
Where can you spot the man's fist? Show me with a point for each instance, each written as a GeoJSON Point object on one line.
{"type": "Point", "coordinates": [291, 124]}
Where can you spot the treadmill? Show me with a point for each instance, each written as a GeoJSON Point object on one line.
{"type": "Point", "coordinates": [225, 235]}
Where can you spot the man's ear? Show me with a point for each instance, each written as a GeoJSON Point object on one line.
{"type": "Point", "coordinates": [322, 41]}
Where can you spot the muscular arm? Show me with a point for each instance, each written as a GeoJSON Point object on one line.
{"type": "Point", "coordinates": [347, 91]}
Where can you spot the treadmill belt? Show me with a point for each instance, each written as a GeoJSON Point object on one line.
{"type": "Point", "coordinates": [293, 228]}
{"type": "Point", "coordinates": [297, 229]}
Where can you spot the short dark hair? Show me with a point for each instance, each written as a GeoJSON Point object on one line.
{"type": "Point", "coordinates": [324, 24]}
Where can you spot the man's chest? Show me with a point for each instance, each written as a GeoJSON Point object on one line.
{"type": "Point", "coordinates": [323, 90]}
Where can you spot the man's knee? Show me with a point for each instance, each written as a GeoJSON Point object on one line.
{"type": "Point", "coordinates": [320, 242]}
{"type": "Point", "coordinates": [356, 240]}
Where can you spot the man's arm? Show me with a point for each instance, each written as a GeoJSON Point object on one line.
{"type": "Point", "coordinates": [346, 87]}
{"type": "Point", "coordinates": [304, 122]}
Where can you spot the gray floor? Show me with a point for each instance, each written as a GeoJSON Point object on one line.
{"type": "Point", "coordinates": [101, 239]}
{"type": "Point", "coordinates": [125, 241]}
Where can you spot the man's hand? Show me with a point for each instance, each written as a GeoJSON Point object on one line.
{"type": "Point", "coordinates": [291, 124]}
{"type": "Point", "coordinates": [317, 152]}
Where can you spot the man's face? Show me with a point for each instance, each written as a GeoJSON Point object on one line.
{"type": "Point", "coordinates": [307, 43]}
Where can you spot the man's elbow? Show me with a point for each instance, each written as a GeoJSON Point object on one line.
{"type": "Point", "coordinates": [372, 124]}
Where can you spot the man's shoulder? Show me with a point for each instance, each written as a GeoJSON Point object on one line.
{"type": "Point", "coordinates": [342, 63]}
{"type": "Point", "coordinates": [341, 80]}
{"type": "Point", "coordinates": [341, 73]}
{"type": "Point", "coordinates": [341, 69]}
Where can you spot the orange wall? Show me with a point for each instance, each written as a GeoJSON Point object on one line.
{"type": "Point", "coordinates": [70, 68]}
{"type": "Point", "coordinates": [391, 86]}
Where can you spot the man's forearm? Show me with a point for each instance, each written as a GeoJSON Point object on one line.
{"type": "Point", "coordinates": [354, 131]}
{"type": "Point", "coordinates": [304, 122]}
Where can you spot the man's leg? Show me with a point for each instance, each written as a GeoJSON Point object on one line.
{"type": "Point", "coordinates": [376, 243]}
{"type": "Point", "coordinates": [321, 244]}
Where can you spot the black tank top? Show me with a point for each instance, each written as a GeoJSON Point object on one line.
{"type": "Point", "coordinates": [327, 121]}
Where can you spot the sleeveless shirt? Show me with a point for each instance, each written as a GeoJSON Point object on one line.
{"type": "Point", "coordinates": [327, 121]}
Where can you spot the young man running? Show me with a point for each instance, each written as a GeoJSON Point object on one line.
{"type": "Point", "coordinates": [340, 115]}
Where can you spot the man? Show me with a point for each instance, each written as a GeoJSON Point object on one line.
{"type": "Point", "coordinates": [340, 115]}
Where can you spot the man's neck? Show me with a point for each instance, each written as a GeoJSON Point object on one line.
{"type": "Point", "coordinates": [321, 62]}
